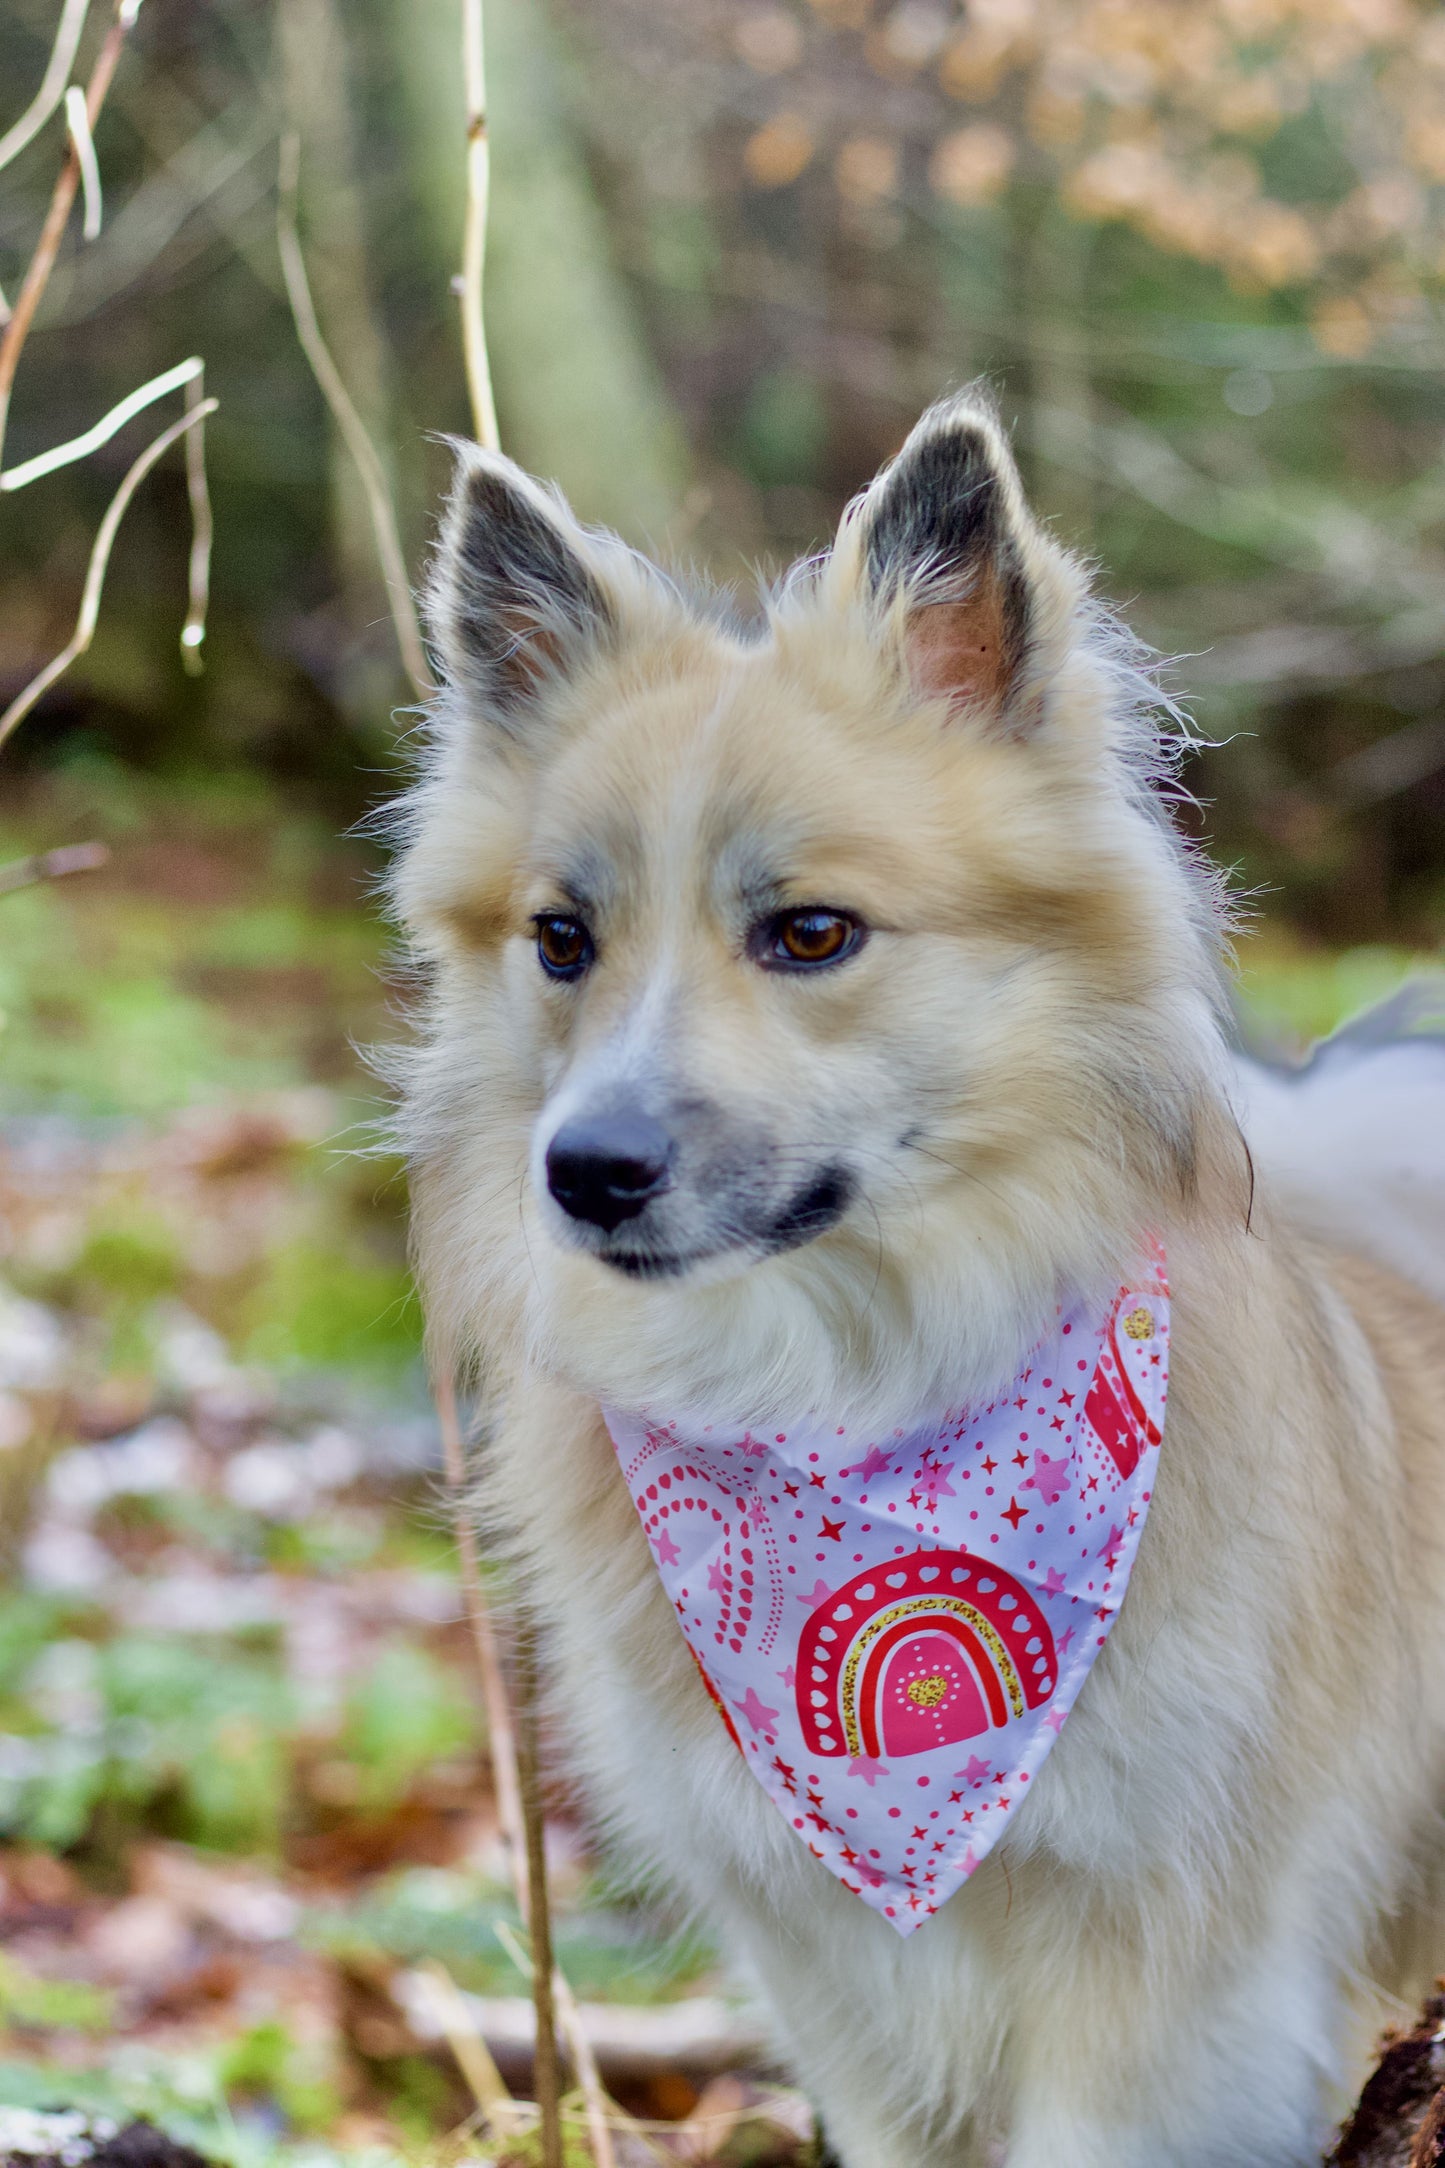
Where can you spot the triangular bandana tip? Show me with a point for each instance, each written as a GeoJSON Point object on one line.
{"type": "Point", "coordinates": [895, 1628]}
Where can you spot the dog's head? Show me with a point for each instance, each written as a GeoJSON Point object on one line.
{"type": "Point", "coordinates": [792, 975]}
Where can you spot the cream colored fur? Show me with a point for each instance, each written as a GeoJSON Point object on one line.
{"type": "Point", "coordinates": [1170, 1960]}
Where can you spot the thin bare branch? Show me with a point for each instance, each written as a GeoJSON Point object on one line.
{"type": "Point", "coordinates": [474, 232]}
{"type": "Point", "coordinates": [198, 565]}
{"type": "Point", "coordinates": [52, 865]}
{"type": "Point", "coordinates": [473, 2057]}
{"type": "Point", "coordinates": [501, 1739]}
{"type": "Point", "coordinates": [505, 1779]}
{"type": "Point", "coordinates": [546, 2078]}
{"type": "Point", "coordinates": [596, 2106]}
{"type": "Point", "coordinates": [349, 422]}
{"type": "Point", "coordinates": [81, 447]}
{"type": "Point", "coordinates": [47, 248]}
{"type": "Point", "coordinates": [85, 623]}
{"type": "Point", "coordinates": [52, 83]}
{"type": "Point", "coordinates": [83, 143]}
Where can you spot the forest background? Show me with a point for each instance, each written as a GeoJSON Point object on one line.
{"type": "Point", "coordinates": [1197, 248]}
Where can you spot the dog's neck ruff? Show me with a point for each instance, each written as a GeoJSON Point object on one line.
{"type": "Point", "coordinates": [894, 1628]}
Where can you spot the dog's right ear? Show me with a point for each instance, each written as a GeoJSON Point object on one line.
{"type": "Point", "coordinates": [517, 597]}
{"type": "Point", "coordinates": [981, 604]}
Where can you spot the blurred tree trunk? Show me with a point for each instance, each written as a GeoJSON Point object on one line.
{"type": "Point", "coordinates": [1059, 372]}
{"type": "Point", "coordinates": [579, 394]}
{"type": "Point", "coordinates": [1049, 274]}
{"type": "Point", "coordinates": [318, 101]}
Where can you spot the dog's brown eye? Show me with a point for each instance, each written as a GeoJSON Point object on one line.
{"type": "Point", "coordinates": [564, 946]}
{"type": "Point", "coordinates": [806, 939]}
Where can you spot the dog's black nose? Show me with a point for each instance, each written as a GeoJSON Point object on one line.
{"type": "Point", "coordinates": [606, 1167]}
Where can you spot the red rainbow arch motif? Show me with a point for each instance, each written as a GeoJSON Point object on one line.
{"type": "Point", "coordinates": [930, 1650]}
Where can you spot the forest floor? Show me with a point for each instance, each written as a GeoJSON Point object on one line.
{"type": "Point", "coordinates": [245, 1820]}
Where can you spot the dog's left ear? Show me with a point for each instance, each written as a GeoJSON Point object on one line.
{"type": "Point", "coordinates": [945, 547]}
{"type": "Point", "coordinates": [520, 594]}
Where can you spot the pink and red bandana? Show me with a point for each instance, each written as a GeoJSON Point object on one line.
{"type": "Point", "coordinates": [895, 1628]}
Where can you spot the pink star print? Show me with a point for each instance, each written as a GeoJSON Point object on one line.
{"type": "Point", "coordinates": [787, 1675]}
{"type": "Point", "coordinates": [717, 1577]}
{"type": "Point", "coordinates": [1112, 1541]}
{"type": "Point", "coordinates": [666, 1549]}
{"type": "Point", "coordinates": [758, 1714]}
{"type": "Point", "coordinates": [1050, 1478]}
{"type": "Point", "coordinates": [818, 1593]}
{"type": "Point", "coordinates": [752, 1448]}
{"type": "Point", "coordinates": [1056, 1582]}
{"type": "Point", "coordinates": [975, 1773]}
{"type": "Point", "coordinates": [874, 1461]}
{"type": "Point", "coordinates": [1055, 1720]}
{"type": "Point", "coordinates": [866, 1767]}
{"type": "Point", "coordinates": [936, 1483]}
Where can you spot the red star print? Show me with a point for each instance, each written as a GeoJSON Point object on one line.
{"type": "Point", "coordinates": [785, 1772]}
{"type": "Point", "coordinates": [815, 1799]}
{"type": "Point", "coordinates": [955, 1799]}
{"type": "Point", "coordinates": [1092, 1484]}
{"type": "Point", "coordinates": [1057, 1423]}
{"type": "Point", "coordinates": [819, 1821]}
{"type": "Point", "coordinates": [1014, 1513]}
{"type": "Point", "coordinates": [920, 1832]}
{"type": "Point", "coordinates": [833, 1530]}
{"type": "Point", "coordinates": [817, 1481]}
{"type": "Point", "coordinates": [791, 1489]}
{"type": "Point", "coordinates": [1067, 1399]}
{"type": "Point", "coordinates": [1021, 1460]}
{"type": "Point", "coordinates": [989, 1466]}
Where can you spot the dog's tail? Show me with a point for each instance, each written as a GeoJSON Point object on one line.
{"type": "Point", "coordinates": [1355, 1140]}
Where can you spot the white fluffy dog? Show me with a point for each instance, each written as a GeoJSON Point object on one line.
{"type": "Point", "coordinates": [811, 1012]}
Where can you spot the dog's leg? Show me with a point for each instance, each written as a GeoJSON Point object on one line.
{"type": "Point", "coordinates": [1188, 2075]}
{"type": "Point", "coordinates": [857, 2134]}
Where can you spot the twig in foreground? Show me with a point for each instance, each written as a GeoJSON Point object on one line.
{"type": "Point", "coordinates": [546, 2081]}
{"type": "Point", "coordinates": [52, 83]}
{"type": "Point", "coordinates": [77, 120]}
{"type": "Point", "coordinates": [198, 564]}
{"type": "Point", "coordinates": [52, 865]}
{"type": "Point", "coordinates": [101, 432]}
{"type": "Point", "coordinates": [349, 422]}
{"type": "Point", "coordinates": [474, 232]}
{"type": "Point", "coordinates": [511, 1806]}
{"type": "Point", "coordinates": [85, 623]}
{"type": "Point", "coordinates": [47, 248]}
